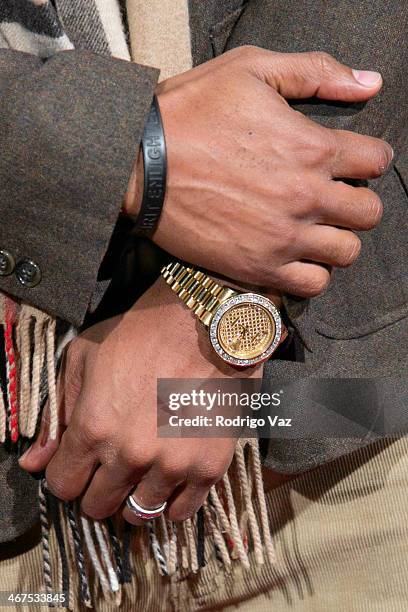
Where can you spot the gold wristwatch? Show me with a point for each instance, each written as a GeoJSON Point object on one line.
{"type": "Point", "coordinates": [245, 328]}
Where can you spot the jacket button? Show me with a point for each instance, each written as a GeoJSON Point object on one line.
{"type": "Point", "coordinates": [7, 263]}
{"type": "Point", "coordinates": [28, 273]}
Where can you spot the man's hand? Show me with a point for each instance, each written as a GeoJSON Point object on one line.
{"type": "Point", "coordinates": [108, 414]}
{"type": "Point", "coordinates": [250, 191]}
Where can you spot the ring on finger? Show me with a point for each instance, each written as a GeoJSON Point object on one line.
{"type": "Point", "coordinates": [144, 513]}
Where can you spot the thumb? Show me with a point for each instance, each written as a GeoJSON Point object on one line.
{"type": "Point", "coordinates": [40, 453]}
{"type": "Point", "coordinates": [307, 75]}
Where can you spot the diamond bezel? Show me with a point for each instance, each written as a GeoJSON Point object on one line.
{"type": "Point", "coordinates": [245, 298]}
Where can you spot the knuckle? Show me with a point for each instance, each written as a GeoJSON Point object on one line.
{"type": "Point", "coordinates": [209, 479]}
{"type": "Point", "coordinates": [134, 459]}
{"type": "Point", "coordinates": [351, 251]}
{"type": "Point", "coordinates": [210, 476]}
{"type": "Point", "coordinates": [301, 193]}
{"type": "Point", "coordinates": [91, 433]}
{"type": "Point", "coordinates": [173, 473]}
{"type": "Point", "coordinates": [324, 61]}
{"type": "Point", "coordinates": [323, 144]}
{"type": "Point", "coordinates": [289, 234]}
{"type": "Point", "coordinates": [373, 210]}
{"type": "Point", "coordinates": [328, 145]}
{"type": "Point", "coordinates": [320, 145]}
{"type": "Point", "coordinates": [248, 52]}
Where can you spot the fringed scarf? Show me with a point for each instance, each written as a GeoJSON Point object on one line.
{"type": "Point", "coordinates": [233, 520]}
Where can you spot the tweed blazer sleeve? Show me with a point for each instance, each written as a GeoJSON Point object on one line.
{"type": "Point", "coordinates": [70, 128]}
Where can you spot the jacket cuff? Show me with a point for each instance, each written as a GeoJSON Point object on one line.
{"type": "Point", "coordinates": [69, 135]}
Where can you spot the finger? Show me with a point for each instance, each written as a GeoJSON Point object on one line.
{"type": "Point", "coordinates": [153, 490]}
{"type": "Point", "coordinates": [303, 279]}
{"type": "Point", "coordinates": [71, 468]}
{"type": "Point", "coordinates": [341, 205]}
{"type": "Point", "coordinates": [315, 74]}
{"type": "Point", "coordinates": [331, 246]}
{"type": "Point", "coordinates": [69, 381]}
{"type": "Point", "coordinates": [120, 471]}
{"type": "Point", "coordinates": [106, 492]}
{"type": "Point", "coordinates": [40, 453]}
{"type": "Point", "coordinates": [359, 157]}
{"type": "Point", "coordinates": [186, 502]}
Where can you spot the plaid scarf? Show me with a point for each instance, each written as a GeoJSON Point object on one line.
{"type": "Point", "coordinates": [233, 520]}
{"type": "Point", "coordinates": [42, 27]}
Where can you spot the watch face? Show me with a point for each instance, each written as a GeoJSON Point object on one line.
{"type": "Point", "coordinates": [246, 329]}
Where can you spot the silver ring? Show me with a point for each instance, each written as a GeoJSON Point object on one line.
{"type": "Point", "coordinates": [143, 513]}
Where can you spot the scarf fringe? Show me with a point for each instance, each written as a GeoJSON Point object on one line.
{"type": "Point", "coordinates": [36, 345]}
{"type": "Point", "coordinates": [232, 523]}
{"type": "Point", "coordinates": [30, 374]}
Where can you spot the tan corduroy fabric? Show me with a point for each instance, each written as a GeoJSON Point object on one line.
{"type": "Point", "coordinates": [160, 35]}
{"type": "Point", "coordinates": [341, 535]}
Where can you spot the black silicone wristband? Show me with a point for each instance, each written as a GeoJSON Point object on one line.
{"type": "Point", "coordinates": [155, 172]}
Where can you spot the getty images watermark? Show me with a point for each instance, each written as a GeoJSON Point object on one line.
{"type": "Point", "coordinates": [301, 408]}
{"type": "Point", "coordinates": [216, 402]}
{"type": "Point", "coordinates": [218, 407]}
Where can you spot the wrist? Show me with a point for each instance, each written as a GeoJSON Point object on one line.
{"type": "Point", "coordinates": [274, 296]}
{"type": "Point", "coordinates": [147, 186]}
{"type": "Point", "coordinates": [134, 195]}
{"type": "Point", "coordinates": [244, 329]}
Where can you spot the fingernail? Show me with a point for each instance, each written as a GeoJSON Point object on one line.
{"type": "Point", "coordinates": [367, 78]}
